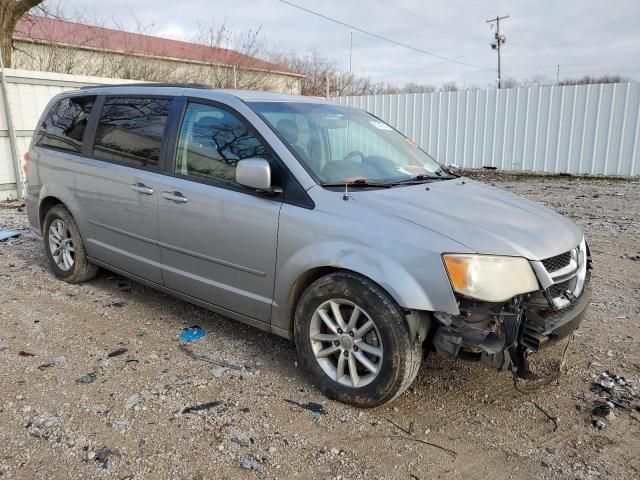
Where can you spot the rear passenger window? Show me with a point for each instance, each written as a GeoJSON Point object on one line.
{"type": "Point", "coordinates": [211, 142]}
{"type": "Point", "coordinates": [130, 130]}
{"type": "Point", "coordinates": [64, 125]}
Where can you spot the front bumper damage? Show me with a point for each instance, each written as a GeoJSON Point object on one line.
{"type": "Point", "coordinates": [501, 335]}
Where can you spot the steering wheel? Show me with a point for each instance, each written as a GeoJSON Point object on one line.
{"type": "Point", "coordinates": [355, 153]}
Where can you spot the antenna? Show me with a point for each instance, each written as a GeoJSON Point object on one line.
{"type": "Point", "coordinates": [345, 197]}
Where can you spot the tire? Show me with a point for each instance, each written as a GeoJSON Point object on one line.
{"type": "Point", "coordinates": [71, 264]}
{"type": "Point", "coordinates": [389, 347]}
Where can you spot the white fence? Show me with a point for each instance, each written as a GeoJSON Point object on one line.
{"type": "Point", "coordinates": [28, 94]}
{"type": "Point", "coordinates": [585, 129]}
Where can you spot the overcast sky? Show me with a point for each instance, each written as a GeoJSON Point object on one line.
{"type": "Point", "coordinates": [583, 36]}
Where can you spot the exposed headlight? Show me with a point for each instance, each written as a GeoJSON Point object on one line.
{"type": "Point", "coordinates": [488, 277]}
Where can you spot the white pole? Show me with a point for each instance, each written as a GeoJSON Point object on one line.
{"type": "Point", "coordinates": [12, 133]}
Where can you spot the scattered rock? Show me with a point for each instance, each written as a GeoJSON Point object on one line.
{"type": "Point", "coordinates": [3, 346]}
{"type": "Point", "coordinates": [88, 378]}
{"type": "Point", "coordinates": [132, 401]}
{"type": "Point", "coordinates": [242, 440]}
{"type": "Point", "coordinates": [251, 464]}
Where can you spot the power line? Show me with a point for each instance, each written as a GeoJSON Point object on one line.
{"type": "Point", "coordinates": [425, 67]}
{"type": "Point", "coordinates": [380, 37]}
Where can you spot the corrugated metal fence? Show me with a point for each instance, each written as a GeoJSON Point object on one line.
{"type": "Point", "coordinates": [585, 129]}
{"type": "Point", "coordinates": [28, 94]}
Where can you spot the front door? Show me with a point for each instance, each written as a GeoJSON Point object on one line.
{"type": "Point", "coordinates": [217, 239]}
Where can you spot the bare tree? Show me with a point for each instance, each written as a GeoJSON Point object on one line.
{"type": "Point", "coordinates": [10, 12]}
{"type": "Point", "coordinates": [587, 79]}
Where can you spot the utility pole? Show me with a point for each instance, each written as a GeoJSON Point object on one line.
{"type": "Point", "coordinates": [558, 75]}
{"type": "Point", "coordinates": [500, 39]}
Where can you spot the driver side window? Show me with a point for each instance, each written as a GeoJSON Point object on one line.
{"type": "Point", "coordinates": [211, 143]}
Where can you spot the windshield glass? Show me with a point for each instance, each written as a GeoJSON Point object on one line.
{"type": "Point", "coordinates": [339, 144]}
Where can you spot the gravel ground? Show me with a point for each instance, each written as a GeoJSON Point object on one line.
{"type": "Point", "coordinates": [69, 410]}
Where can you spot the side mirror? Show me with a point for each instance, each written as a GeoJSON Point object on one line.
{"type": "Point", "coordinates": [254, 173]}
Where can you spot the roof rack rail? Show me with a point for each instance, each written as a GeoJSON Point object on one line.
{"type": "Point", "coordinates": [122, 85]}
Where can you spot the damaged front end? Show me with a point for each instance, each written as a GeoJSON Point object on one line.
{"type": "Point", "coordinates": [502, 334]}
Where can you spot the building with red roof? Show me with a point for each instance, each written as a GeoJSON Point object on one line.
{"type": "Point", "coordinates": [49, 44]}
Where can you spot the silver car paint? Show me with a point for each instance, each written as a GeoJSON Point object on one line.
{"type": "Point", "coordinates": [242, 254]}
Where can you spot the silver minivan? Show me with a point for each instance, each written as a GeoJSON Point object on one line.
{"type": "Point", "coordinates": [314, 221]}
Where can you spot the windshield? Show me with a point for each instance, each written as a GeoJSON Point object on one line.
{"type": "Point", "coordinates": [339, 144]}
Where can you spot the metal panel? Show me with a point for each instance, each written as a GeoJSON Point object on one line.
{"type": "Point", "coordinates": [583, 129]}
{"type": "Point", "coordinates": [28, 94]}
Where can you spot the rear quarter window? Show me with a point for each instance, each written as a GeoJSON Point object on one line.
{"type": "Point", "coordinates": [130, 130]}
{"type": "Point", "coordinates": [64, 125]}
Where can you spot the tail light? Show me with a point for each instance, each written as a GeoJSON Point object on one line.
{"type": "Point", "coordinates": [25, 165]}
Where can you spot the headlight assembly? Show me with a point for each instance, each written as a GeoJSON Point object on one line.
{"type": "Point", "coordinates": [490, 278]}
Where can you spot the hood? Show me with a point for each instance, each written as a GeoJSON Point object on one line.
{"type": "Point", "coordinates": [483, 218]}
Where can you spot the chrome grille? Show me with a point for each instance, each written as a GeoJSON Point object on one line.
{"type": "Point", "coordinates": [553, 264]}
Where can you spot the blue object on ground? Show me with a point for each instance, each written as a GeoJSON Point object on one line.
{"type": "Point", "coordinates": [5, 234]}
{"type": "Point", "coordinates": [192, 334]}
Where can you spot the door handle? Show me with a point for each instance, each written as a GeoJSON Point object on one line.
{"type": "Point", "coordinates": [176, 197]}
{"type": "Point", "coordinates": [142, 188]}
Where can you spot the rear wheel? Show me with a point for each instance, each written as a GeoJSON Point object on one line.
{"type": "Point", "coordinates": [354, 340]}
{"type": "Point", "coordinates": [65, 250]}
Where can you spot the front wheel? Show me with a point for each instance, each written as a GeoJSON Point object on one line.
{"type": "Point", "coordinates": [354, 340]}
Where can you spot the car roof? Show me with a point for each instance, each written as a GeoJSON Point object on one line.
{"type": "Point", "coordinates": [195, 90]}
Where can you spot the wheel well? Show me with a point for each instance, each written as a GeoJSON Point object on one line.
{"type": "Point", "coordinates": [301, 284]}
{"type": "Point", "coordinates": [45, 206]}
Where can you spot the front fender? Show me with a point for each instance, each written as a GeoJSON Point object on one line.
{"type": "Point", "coordinates": [427, 289]}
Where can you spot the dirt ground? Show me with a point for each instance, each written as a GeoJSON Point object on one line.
{"type": "Point", "coordinates": [128, 419]}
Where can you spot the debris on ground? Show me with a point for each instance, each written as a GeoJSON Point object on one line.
{"type": "Point", "coordinates": [615, 389]}
{"type": "Point", "coordinates": [88, 378]}
{"type": "Point", "coordinates": [45, 365]}
{"type": "Point", "coordinates": [102, 457]}
{"type": "Point", "coordinates": [132, 401]}
{"type": "Point", "coordinates": [207, 359]}
{"type": "Point", "coordinates": [201, 407]}
{"type": "Point", "coordinates": [311, 406]}
{"type": "Point", "coordinates": [550, 417]}
{"type": "Point", "coordinates": [601, 409]}
{"type": "Point", "coordinates": [251, 463]}
{"type": "Point", "coordinates": [117, 352]}
{"type": "Point", "coordinates": [7, 234]}
{"type": "Point", "coordinates": [22, 353]}
{"type": "Point", "coordinates": [3, 346]}
{"type": "Point", "coordinates": [118, 304]}
{"type": "Point", "coordinates": [597, 424]}
{"type": "Point", "coordinates": [191, 334]}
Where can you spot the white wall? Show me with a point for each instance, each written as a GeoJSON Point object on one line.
{"type": "Point", "coordinates": [28, 94]}
{"type": "Point", "coordinates": [585, 129]}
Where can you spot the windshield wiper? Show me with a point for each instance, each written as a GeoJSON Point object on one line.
{"type": "Point", "coordinates": [422, 178]}
{"type": "Point", "coordinates": [361, 182]}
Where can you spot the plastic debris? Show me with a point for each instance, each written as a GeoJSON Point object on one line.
{"type": "Point", "coordinates": [118, 304]}
{"type": "Point", "coordinates": [311, 406]}
{"type": "Point", "coordinates": [102, 457]}
{"type": "Point", "coordinates": [201, 407]}
{"type": "Point", "coordinates": [615, 389]}
{"type": "Point", "coordinates": [132, 401]}
{"type": "Point", "coordinates": [207, 359]}
{"type": "Point", "coordinates": [88, 378]}
{"type": "Point", "coordinates": [191, 334]}
{"type": "Point", "coordinates": [6, 234]}
{"type": "Point", "coordinates": [117, 352]}
{"type": "Point", "coordinates": [601, 409]}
